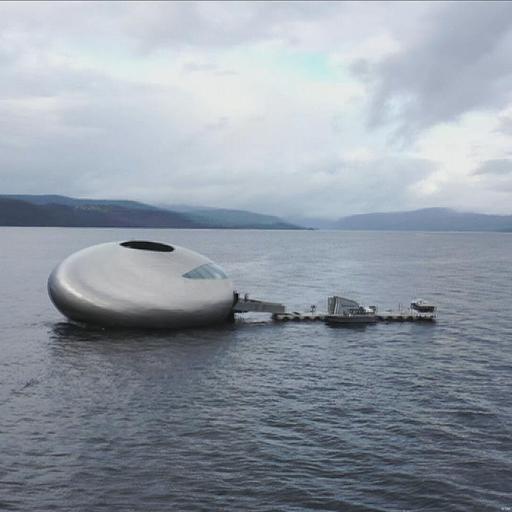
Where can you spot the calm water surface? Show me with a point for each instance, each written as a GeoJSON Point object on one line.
{"type": "Point", "coordinates": [257, 416]}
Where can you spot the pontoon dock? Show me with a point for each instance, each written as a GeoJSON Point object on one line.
{"type": "Point", "coordinates": [339, 311]}
{"type": "Point", "coordinates": [386, 316]}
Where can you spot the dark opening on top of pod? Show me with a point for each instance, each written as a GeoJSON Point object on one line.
{"type": "Point", "coordinates": [140, 283]}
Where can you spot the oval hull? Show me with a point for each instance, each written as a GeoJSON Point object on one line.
{"type": "Point", "coordinates": [112, 285]}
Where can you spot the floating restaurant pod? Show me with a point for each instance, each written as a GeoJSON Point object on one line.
{"type": "Point", "coordinates": [141, 284]}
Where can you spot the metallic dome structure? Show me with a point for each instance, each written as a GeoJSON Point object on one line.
{"type": "Point", "coordinates": [141, 284]}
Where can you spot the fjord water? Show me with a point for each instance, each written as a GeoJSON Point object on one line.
{"type": "Point", "coordinates": [263, 416]}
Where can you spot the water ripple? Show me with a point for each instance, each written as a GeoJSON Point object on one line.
{"type": "Point", "coordinates": [256, 416]}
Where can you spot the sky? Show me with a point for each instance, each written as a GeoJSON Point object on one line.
{"type": "Point", "coordinates": [306, 109]}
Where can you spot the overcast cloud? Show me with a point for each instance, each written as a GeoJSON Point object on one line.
{"type": "Point", "coordinates": [301, 109]}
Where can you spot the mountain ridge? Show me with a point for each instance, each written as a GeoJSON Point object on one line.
{"type": "Point", "coordinates": [426, 219]}
{"type": "Point", "coordinates": [63, 211]}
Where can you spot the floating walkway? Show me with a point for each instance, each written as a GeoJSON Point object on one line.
{"type": "Point", "coordinates": [387, 316]}
{"type": "Point", "coordinates": [340, 311]}
{"type": "Point", "coordinates": [408, 316]}
{"type": "Point", "coordinates": [298, 317]}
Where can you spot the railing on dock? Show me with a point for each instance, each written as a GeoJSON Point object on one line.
{"type": "Point", "coordinates": [246, 305]}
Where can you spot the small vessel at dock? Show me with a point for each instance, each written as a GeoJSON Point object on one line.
{"type": "Point", "coordinates": [422, 306]}
{"type": "Point", "coordinates": [348, 312]}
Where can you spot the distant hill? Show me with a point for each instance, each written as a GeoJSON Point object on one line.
{"type": "Point", "coordinates": [312, 222]}
{"type": "Point", "coordinates": [14, 212]}
{"type": "Point", "coordinates": [237, 219]}
{"type": "Point", "coordinates": [427, 219]}
{"type": "Point", "coordinates": [72, 201]}
{"type": "Point", "coordinates": [56, 210]}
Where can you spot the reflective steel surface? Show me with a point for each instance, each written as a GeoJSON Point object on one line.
{"type": "Point", "coordinates": [110, 284]}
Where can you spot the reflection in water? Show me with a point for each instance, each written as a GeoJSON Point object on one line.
{"type": "Point", "coordinates": [70, 339]}
{"type": "Point", "coordinates": [354, 326]}
{"type": "Point", "coordinates": [62, 332]}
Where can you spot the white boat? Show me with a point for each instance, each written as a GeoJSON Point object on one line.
{"type": "Point", "coordinates": [346, 311]}
{"type": "Point", "coordinates": [422, 306]}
